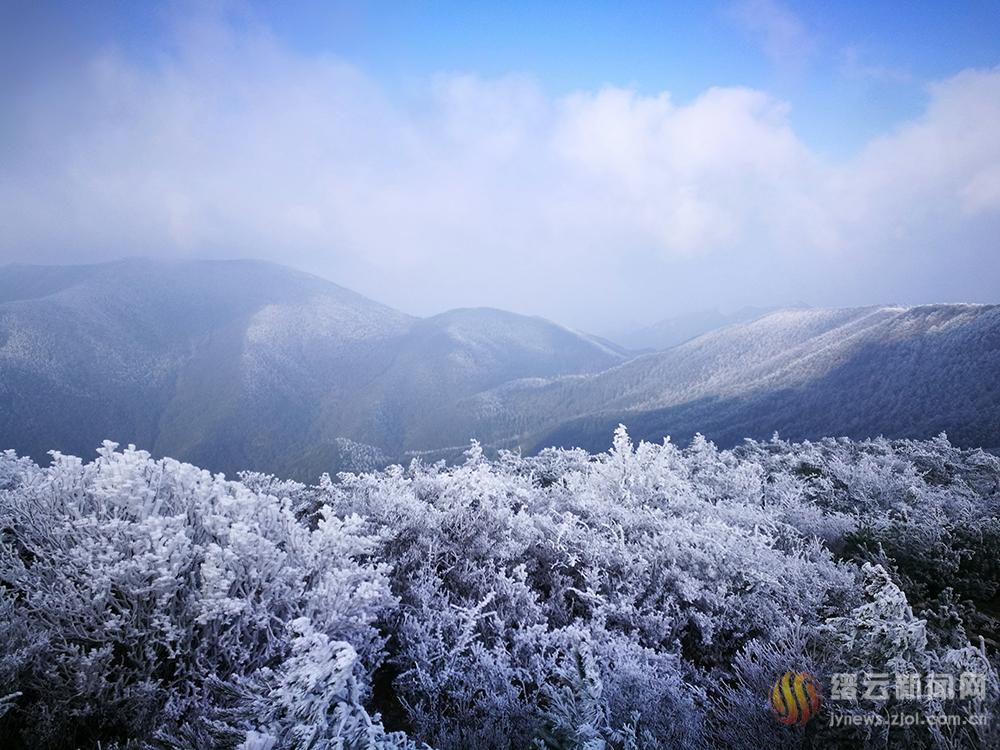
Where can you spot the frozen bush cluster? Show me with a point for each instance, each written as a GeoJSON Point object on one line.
{"type": "Point", "coordinates": [643, 598]}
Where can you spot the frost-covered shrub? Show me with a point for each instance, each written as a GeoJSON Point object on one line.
{"type": "Point", "coordinates": [675, 560]}
{"type": "Point", "coordinates": [641, 599]}
{"type": "Point", "coordinates": [133, 588]}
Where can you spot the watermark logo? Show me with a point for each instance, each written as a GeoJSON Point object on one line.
{"type": "Point", "coordinates": [874, 699]}
{"type": "Point", "coordinates": [795, 698]}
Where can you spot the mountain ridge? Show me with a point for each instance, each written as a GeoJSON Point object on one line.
{"type": "Point", "coordinates": [249, 365]}
{"type": "Point", "coordinates": [789, 367]}
{"type": "Point", "coordinates": [244, 364]}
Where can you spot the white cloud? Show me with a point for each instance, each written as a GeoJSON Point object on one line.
{"type": "Point", "coordinates": [853, 64]}
{"type": "Point", "coordinates": [781, 34]}
{"type": "Point", "coordinates": [473, 191]}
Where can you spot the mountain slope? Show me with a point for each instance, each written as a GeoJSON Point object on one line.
{"type": "Point", "coordinates": [241, 364]}
{"type": "Point", "coordinates": [805, 373]}
{"type": "Point", "coordinates": [216, 361]}
{"type": "Point", "coordinates": [245, 365]}
{"type": "Point", "coordinates": [458, 353]}
{"type": "Point", "coordinates": [671, 332]}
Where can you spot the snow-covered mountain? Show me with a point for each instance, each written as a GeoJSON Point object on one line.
{"type": "Point", "coordinates": [247, 365]}
{"type": "Point", "coordinates": [895, 371]}
{"type": "Point", "coordinates": [242, 364]}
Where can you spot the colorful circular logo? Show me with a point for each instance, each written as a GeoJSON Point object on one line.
{"type": "Point", "coordinates": [795, 698]}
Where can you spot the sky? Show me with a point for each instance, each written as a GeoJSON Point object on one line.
{"type": "Point", "coordinates": [602, 164]}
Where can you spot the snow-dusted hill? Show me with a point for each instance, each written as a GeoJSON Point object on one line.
{"type": "Point", "coordinates": [897, 371]}
{"type": "Point", "coordinates": [247, 365]}
{"type": "Point", "coordinates": [241, 364]}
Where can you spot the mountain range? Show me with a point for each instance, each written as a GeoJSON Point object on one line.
{"type": "Point", "coordinates": [247, 365]}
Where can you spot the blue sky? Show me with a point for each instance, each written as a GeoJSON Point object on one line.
{"type": "Point", "coordinates": [849, 69]}
{"type": "Point", "coordinates": [700, 145]}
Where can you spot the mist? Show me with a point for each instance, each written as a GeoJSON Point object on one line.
{"type": "Point", "coordinates": [599, 208]}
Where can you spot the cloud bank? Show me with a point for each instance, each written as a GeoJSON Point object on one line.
{"type": "Point", "coordinates": [593, 208]}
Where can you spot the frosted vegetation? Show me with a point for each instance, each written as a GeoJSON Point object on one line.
{"type": "Point", "coordinates": [645, 597]}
